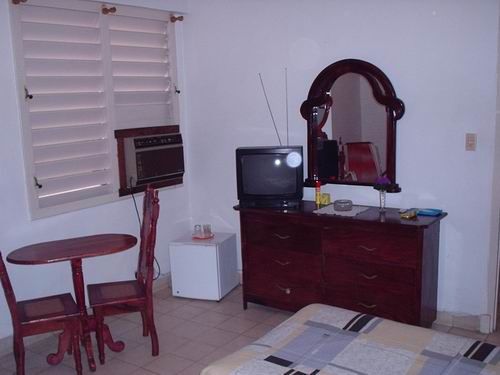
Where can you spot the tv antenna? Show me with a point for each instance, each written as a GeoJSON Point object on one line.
{"type": "Point", "coordinates": [286, 104]}
{"type": "Point", "coordinates": [269, 108]}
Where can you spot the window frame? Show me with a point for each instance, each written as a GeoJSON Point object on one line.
{"type": "Point", "coordinates": [36, 211]}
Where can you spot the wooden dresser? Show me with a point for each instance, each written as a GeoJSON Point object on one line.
{"type": "Point", "coordinates": [373, 263]}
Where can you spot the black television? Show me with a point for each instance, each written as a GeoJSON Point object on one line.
{"type": "Point", "coordinates": [269, 176]}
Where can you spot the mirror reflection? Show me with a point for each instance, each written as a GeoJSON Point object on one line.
{"type": "Point", "coordinates": [353, 144]}
{"type": "Point", "coordinates": [351, 112]}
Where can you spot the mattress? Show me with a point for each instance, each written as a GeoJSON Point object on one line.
{"type": "Point", "coordinates": [321, 339]}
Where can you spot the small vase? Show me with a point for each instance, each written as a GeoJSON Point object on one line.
{"type": "Point", "coordinates": [382, 195]}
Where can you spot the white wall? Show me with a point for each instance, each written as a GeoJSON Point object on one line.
{"type": "Point", "coordinates": [374, 120]}
{"type": "Point", "coordinates": [495, 210]}
{"type": "Point", "coordinates": [18, 230]}
{"type": "Point", "coordinates": [345, 114]}
{"type": "Point", "coordinates": [441, 58]}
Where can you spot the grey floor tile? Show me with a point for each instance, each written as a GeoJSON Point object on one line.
{"type": "Point", "coordinates": [168, 364]}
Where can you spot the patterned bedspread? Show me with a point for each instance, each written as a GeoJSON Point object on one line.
{"type": "Point", "coordinates": [322, 339]}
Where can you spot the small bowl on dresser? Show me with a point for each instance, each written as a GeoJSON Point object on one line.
{"type": "Point", "coordinates": [342, 205]}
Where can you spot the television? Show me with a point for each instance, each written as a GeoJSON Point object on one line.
{"type": "Point", "coordinates": [269, 176]}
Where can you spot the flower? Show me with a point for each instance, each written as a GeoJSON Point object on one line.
{"type": "Point", "coordinates": [382, 180]}
{"type": "Point", "coordinates": [383, 183]}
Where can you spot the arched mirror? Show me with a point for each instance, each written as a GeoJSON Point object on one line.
{"type": "Point", "coordinates": [351, 114]}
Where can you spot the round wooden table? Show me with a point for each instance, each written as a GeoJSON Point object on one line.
{"type": "Point", "coordinates": [74, 250]}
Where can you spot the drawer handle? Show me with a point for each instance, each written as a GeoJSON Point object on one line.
{"type": "Point", "coordinates": [367, 306]}
{"type": "Point", "coordinates": [286, 263]}
{"type": "Point", "coordinates": [370, 249]}
{"type": "Point", "coordinates": [367, 277]}
{"type": "Point", "coordinates": [286, 290]}
{"type": "Point", "coordinates": [281, 237]}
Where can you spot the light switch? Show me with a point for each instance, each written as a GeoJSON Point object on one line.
{"type": "Point", "coordinates": [470, 141]}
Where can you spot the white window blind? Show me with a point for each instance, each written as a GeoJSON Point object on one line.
{"type": "Point", "coordinates": [88, 74]}
{"type": "Point", "coordinates": [64, 72]}
{"type": "Point", "coordinates": [140, 66]}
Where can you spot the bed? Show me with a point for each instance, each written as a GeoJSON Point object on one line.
{"type": "Point", "coordinates": [321, 339]}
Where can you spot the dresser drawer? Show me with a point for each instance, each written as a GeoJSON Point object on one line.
{"type": "Point", "coordinates": [290, 264]}
{"type": "Point", "coordinates": [375, 264]}
{"type": "Point", "coordinates": [344, 271]}
{"type": "Point", "coordinates": [396, 302]}
{"type": "Point", "coordinates": [281, 232]}
{"type": "Point", "coordinates": [282, 292]}
{"type": "Point", "coordinates": [372, 244]}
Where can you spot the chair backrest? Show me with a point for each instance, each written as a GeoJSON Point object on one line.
{"type": "Point", "coordinates": [151, 211]}
{"type": "Point", "coordinates": [362, 161]}
{"type": "Point", "coordinates": [9, 294]}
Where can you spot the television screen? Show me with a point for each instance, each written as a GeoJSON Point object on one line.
{"type": "Point", "coordinates": [269, 176]}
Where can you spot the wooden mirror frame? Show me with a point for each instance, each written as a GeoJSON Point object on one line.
{"type": "Point", "coordinates": [319, 95]}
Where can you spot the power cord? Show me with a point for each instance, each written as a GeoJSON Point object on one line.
{"type": "Point", "coordinates": [140, 224]}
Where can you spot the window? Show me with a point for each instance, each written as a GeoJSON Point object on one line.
{"type": "Point", "coordinates": [86, 69]}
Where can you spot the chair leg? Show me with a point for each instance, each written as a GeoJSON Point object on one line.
{"type": "Point", "coordinates": [145, 330]}
{"type": "Point", "coordinates": [76, 348]}
{"type": "Point", "coordinates": [155, 348]}
{"type": "Point", "coordinates": [99, 334]}
{"type": "Point", "coordinates": [19, 355]}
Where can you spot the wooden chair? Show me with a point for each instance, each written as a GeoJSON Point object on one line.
{"type": "Point", "coordinates": [42, 315]}
{"type": "Point", "coordinates": [133, 295]}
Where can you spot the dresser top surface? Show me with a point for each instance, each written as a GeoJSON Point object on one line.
{"type": "Point", "coordinates": [372, 215]}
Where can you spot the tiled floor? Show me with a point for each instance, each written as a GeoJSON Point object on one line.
{"type": "Point", "coordinates": [192, 334]}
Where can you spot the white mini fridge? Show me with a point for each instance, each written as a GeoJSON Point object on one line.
{"type": "Point", "coordinates": [204, 269]}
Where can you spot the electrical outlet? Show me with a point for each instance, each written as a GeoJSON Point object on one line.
{"type": "Point", "coordinates": [470, 141]}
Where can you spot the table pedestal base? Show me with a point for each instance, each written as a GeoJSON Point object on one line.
{"type": "Point", "coordinates": [67, 342]}
{"type": "Point", "coordinates": [88, 322]}
{"type": "Point", "coordinates": [66, 346]}
{"type": "Point", "coordinates": [63, 347]}
{"type": "Point", "coordinates": [115, 346]}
